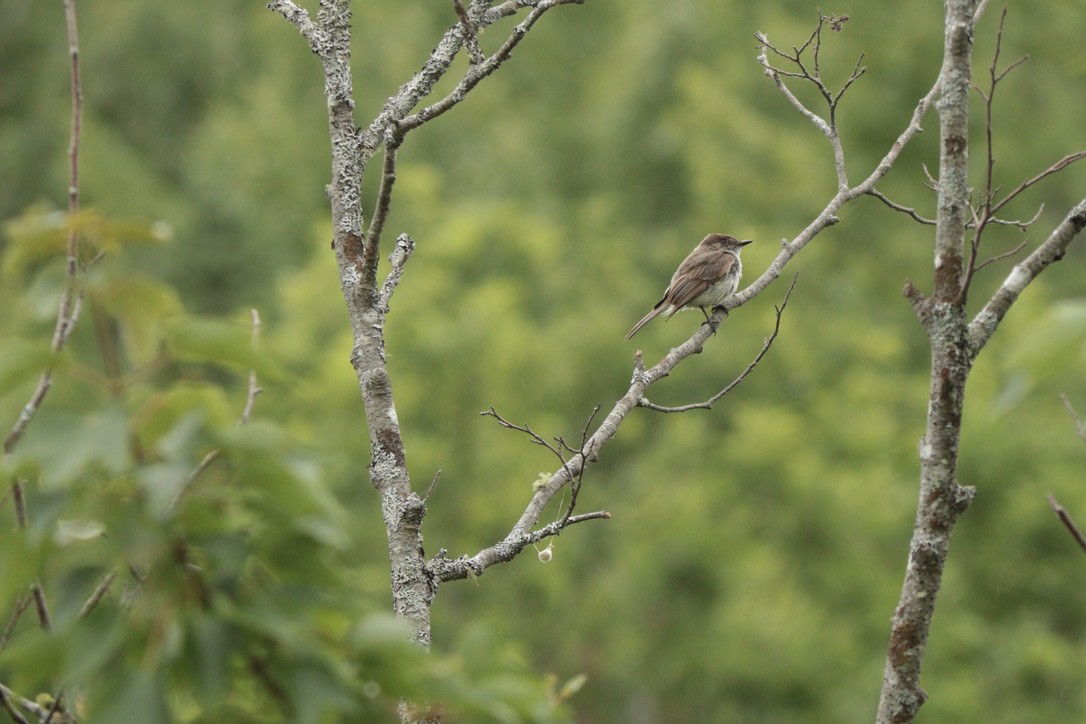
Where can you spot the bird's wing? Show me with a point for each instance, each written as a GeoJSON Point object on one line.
{"type": "Point", "coordinates": [699, 271]}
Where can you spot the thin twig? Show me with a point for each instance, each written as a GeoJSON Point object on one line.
{"type": "Point", "coordinates": [1004, 255]}
{"type": "Point", "coordinates": [471, 39]}
{"type": "Point", "coordinates": [766, 344]}
{"type": "Point", "coordinates": [253, 388]}
{"type": "Point", "coordinates": [576, 483]}
{"type": "Point", "coordinates": [99, 593]}
{"type": "Point", "coordinates": [1080, 429]}
{"type": "Point", "coordinates": [22, 602]}
{"type": "Point", "coordinates": [382, 204]}
{"type": "Point", "coordinates": [19, 501]}
{"type": "Point", "coordinates": [57, 706]}
{"type": "Point", "coordinates": [828, 126]}
{"type": "Point", "coordinates": [1054, 168]}
{"type": "Point", "coordinates": [558, 526]}
{"type": "Point", "coordinates": [405, 247]}
{"type": "Point", "coordinates": [38, 594]}
{"type": "Point", "coordinates": [899, 207]}
{"type": "Point", "coordinates": [987, 320]}
{"type": "Point", "coordinates": [981, 220]}
{"type": "Point", "coordinates": [526, 429]}
{"type": "Point", "coordinates": [442, 569]}
{"type": "Point", "coordinates": [72, 297]}
{"type": "Point", "coordinates": [1018, 223]}
{"type": "Point", "coordinates": [259, 667]}
{"type": "Point", "coordinates": [423, 82]}
{"type": "Point", "coordinates": [433, 485]}
{"type": "Point", "coordinates": [1067, 521]}
{"type": "Point", "coordinates": [24, 703]}
{"type": "Point", "coordinates": [575, 477]}
{"type": "Point", "coordinates": [479, 71]}
{"type": "Point", "coordinates": [250, 399]}
{"type": "Point", "coordinates": [9, 707]}
{"type": "Point", "coordinates": [203, 465]}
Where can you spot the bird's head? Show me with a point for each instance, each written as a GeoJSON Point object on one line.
{"type": "Point", "coordinates": [725, 242]}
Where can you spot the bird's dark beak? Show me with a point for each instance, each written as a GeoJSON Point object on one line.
{"type": "Point", "coordinates": [745, 242]}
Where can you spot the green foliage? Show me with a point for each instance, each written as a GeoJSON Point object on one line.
{"type": "Point", "coordinates": [755, 551]}
{"type": "Point", "coordinates": [233, 592]}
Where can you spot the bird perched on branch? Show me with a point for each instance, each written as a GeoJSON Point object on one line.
{"type": "Point", "coordinates": [705, 279]}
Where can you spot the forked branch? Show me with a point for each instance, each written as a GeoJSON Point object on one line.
{"type": "Point", "coordinates": [797, 61]}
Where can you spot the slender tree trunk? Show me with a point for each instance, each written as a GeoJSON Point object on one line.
{"type": "Point", "coordinates": [942, 500]}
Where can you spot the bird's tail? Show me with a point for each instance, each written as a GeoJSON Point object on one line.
{"type": "Point", "coordinates": [646, 319]}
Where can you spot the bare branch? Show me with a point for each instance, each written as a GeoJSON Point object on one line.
{"type": "Point", "coordinates": [430, 490]}
{"type": "Point", "coordinates": [777, 76]}
{"type": "Point", "coordinates": [25, 704]}
{"type": "Point", "coordinates": [578, 480]}
{"type": "Point", "coordinates": [481, 70]}
{"type": "Point", "coordinates": [981, 220]}
{"type": "Point", "coordinates": [475, 53]}
{"type": "Point", "coordinates": [72, 297]}
{"type": "Point", "coordinates": [766, 344]}
{"type": "Point", "coordinates": [1064, 516]}
{"type": "Point", "coordinates": [858, 70]}
{"type": "Point", "coordinates": [38, 594]}
{"type": "Point", "coordinates": [420, 86]}
{"type": "Point", "coordinates": [299, 18]}
{"type": "Point", "coordinates": [827, 217]}
{"type": "Point", "coordinates": [405, 247]}
{"type": "Point", "coordinates": [445, 569]}
{"type": "Point", "coordinates": [1004, 255]}
{"type": "Point", "coordinates": [532, 435]}
{"type": "Point", "coordinates": [1068, 522]}
{"type": "Point", "coordinates": [382, 205]}
{"type": "Point", "coordinates": [827, 126]}
{"type": "Point", "coordinates": [988, 318]}
{"type": "Point", "coordinates": [899, 207]}
{"type": "Point", "coordinates": [1054, 168]}
{"type": "Point", "coordinates": [9, 707]}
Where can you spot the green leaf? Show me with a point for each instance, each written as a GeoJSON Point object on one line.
{"type": "Point", "coordinates": [138, 698]}
{"type": "Point", "coordinates": [40, 234]}
{"type": "Point", "coordinates": [65, 445]}
{"type": "Point", "coordinates": [212, 641]}
{"type": "Point", "coordinates": [140, 305]}
{"type": "Point", "coordinates": [227, 343]}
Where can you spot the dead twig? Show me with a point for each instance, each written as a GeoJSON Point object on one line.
{"type": "Point", "coordinates": [1067, 521]}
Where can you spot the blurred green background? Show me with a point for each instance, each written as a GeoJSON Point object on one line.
{"type": "Point", "coordinates": [756, 551]}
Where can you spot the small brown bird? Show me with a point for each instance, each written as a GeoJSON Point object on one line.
{"type": "Point", "coordinates": [705, 279]}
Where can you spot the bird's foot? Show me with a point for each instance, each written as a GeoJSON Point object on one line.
{"type": "Point", "coordinates": [709, 321]}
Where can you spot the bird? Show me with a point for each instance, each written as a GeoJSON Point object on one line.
{"type": "Point", "coordinates": [707, 277]}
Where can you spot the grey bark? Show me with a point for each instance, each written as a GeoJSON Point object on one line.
{"type": "Point", "coordinates": [955, 343]}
